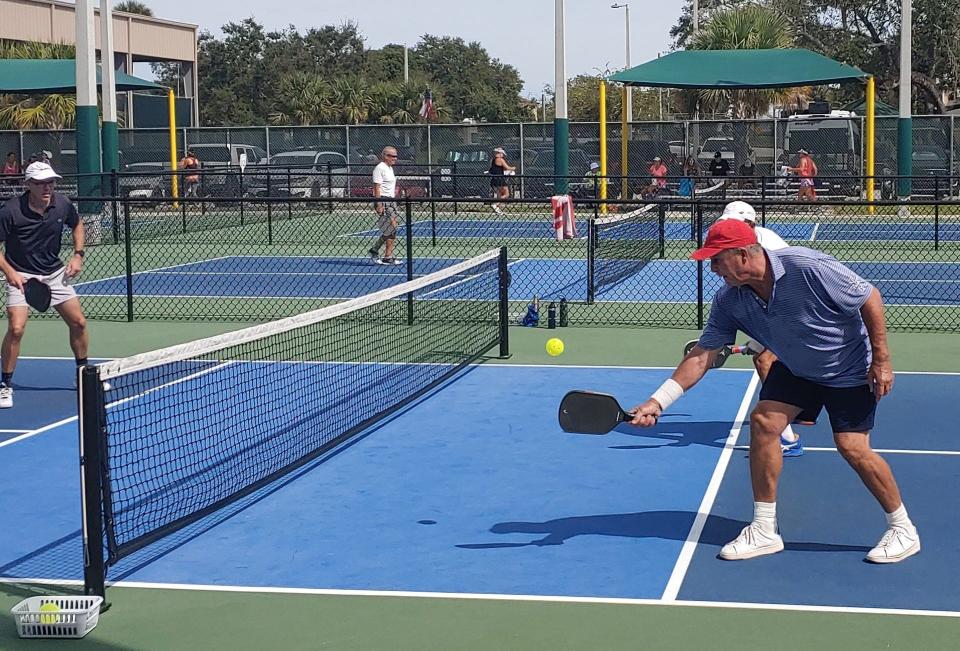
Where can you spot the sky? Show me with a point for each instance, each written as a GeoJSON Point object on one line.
{"type": "Point", "coordinates": [517, 32]}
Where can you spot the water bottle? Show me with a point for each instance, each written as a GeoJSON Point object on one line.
{"type": "Point", "coordinates": [552, 315]}
{"type": "Point", "coordinates": [563, 313]}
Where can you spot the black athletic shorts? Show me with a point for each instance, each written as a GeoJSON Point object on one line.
{"type": "Point", "coordinates": [851, 409]}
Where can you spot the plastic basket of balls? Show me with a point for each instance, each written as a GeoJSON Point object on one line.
{"type": "Point", "coordinates": [56, 616]}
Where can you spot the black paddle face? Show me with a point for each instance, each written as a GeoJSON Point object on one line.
{"type": "Point", "coordinates": [37, 295]}
{"type": "Point", "coordinates": [588, 412]}
{"type": "Point", "coordinates": [719, 361]}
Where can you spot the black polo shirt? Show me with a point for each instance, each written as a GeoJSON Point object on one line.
{"type": "Point", "coordinates": [31, 240]}
{"type": "Point", "coordinates": [719, 167]}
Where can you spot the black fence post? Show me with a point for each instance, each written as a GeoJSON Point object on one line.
{"type": "Point", "coordinates": [592, 245]}
{"type": "Point", "coordinates": [289, 194]}
{"type": "Point", "coordinates": [329, 188]}
{"type": "Point", "coordinates": [936, 214]}
{"type": "Point", "coordinates": [699, 226]}
{"type": "Point", "coordinates": [504, 303]}
{"type": "Point", "coordinates": [128, 255]}
{"type": "Point", "coordinates": [240, 191]}
{"type": "Point", "coordinates": [269, 209]}
{"type": "Point", "coordinates": [203, 192]}
{"type": "Point", "coordinates": [763, 201]}
{"type": "Point", "coordinates": [92, 430]}
{"type": "Point", "coordinates": [408, 209]}
{"type": "Point", "coordinates": [183, 215]}
{"type": "Point", "coordinates": [662, 228]}
{"type": "Point", "coordinates": [456, 187]}
{"type": "Point", "coordinates": [114, 208]}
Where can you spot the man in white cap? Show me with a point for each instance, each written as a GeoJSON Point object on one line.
{"type": "Point", "coordinates": [790, 443]}
{"type": "Point", "coordinates": [31, 228]}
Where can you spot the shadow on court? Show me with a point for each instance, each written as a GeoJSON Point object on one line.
{"type": "Point", "coordinates": [667, 525]}
{"type": "Point", "coordinates": [677, 435]}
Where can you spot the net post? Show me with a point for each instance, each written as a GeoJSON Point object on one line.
{"type": "Point", "coordinates": [504, 301]}
{"type": "Point", "coordinates": [408, 210]}
{"type": "Point", "coordinates": [289, 194]}
{"type": "Point", "coordinates": [90, 408]}
{"type": "Point", "coordinates": [183, 215]}
{"type": "Point", "coordinates": [128, 258]}
{"type": "Point", "coordinates": [240, 190]}
{"type": "Point", "coordinates": [662, 228]}
{"type": "Point", "coordinates": [433, 221]}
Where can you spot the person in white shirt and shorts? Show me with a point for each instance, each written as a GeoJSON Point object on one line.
{"type": "Point", "coordinates": [741, 210]}
{"type": "Point", "coordinates": [385, 191]}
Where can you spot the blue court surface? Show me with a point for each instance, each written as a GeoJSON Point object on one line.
{"type": "Point", "coordinates": [921, 230]}
{"type": "Point", "coordinates": [475, 490]}
{"type": "Point", "coordinates": [667, 281]}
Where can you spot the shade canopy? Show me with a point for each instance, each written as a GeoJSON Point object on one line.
{"type": "Point", "coordinates": [739, 70]}
{"type": "Point", "coordinates": [27, 76]}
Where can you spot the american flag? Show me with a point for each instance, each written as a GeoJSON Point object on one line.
{"type": "Point", "coordinates": [426, 109]}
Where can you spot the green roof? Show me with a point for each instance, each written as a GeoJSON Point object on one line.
{"type": "Point", "coordinates": [739, 69]}
{"type": "Point", "coordinates": [56, 76]}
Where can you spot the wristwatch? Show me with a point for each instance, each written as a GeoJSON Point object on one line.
{"type": "Point", "coordinates": [78, 252]}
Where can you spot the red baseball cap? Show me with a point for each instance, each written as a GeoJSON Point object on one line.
{"type": "Point", "coordinates": [725, 234]}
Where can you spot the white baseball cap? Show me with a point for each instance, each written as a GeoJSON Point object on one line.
{"type": "Point", "coordinates": [739, 210]}
{"type": "Point", "coordinates": [594, 166]}
{"type": "Point", "coordinates": [40, 172]}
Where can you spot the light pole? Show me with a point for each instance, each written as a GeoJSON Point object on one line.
{"type": "Point", "coordinates": [629, 107]}
{"type": "Point", "coordinates": [696, 17]}
{"type": "Point", "coordinates": [561, 127]}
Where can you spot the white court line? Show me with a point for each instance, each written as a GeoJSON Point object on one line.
{"type": "Point", "coordinates": [813, 234]}
{"type": "Point", "coordinates": [672, 589]}
{"type": "Point", "coordinates": [34, 432]}
{"type": "Point", "coordinates": [495, 597]}
{"type": "Point", "coordinates": [13, 431]}
{"type": "Point", "coordinates": [947, 453]}
{"type": "Point", "coordinates": [183, 264]}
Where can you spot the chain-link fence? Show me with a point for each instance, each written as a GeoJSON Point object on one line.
{"type": "Point", "coordinates": [766, 146]}
{"type": "Point", "coordinates": [255, 259]}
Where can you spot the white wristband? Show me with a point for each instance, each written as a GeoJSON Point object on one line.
{"type": "Point", "coordinates": [668, 393]}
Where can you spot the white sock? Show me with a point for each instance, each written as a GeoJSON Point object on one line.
{"type": "Point", "coordinates": [789, 435]}
{"type": "Point", "coordinates": [899, 518]}
{"type": "Point", "coordinates": [765, 515]}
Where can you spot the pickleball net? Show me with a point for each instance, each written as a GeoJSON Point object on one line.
{"type": "Point", "coordinates": [173, 435]}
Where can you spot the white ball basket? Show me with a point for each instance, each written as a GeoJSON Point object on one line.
{"type": "Point", "coordinates": [77, 616]}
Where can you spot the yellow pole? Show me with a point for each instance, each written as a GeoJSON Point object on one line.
{"type": "Point", "coordinates": [603, 145]}
{"type": "Point", "coordinates": [624, 138]}
{"type": "Point", "coordinates": [172, 111]}
{"type": "Point", "coordinates": [869, 129]}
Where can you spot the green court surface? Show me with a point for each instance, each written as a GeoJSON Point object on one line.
{"type": "Point", "coordinates": [247, 618]}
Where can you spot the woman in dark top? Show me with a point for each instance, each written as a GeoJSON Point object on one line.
{"type": "Point", "coordinates": [499, 168]}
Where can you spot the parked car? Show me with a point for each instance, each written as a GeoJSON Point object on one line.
{"type": "Point", "coordinates": [145, 180]}
{"type": "Point", "coordinates": [464, 171]}
{"type": "Point", "coordinates": [300, 173]}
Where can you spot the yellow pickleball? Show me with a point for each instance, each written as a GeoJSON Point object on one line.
{"type": "Point", "coordinates": [52, 609]}
{"type": "Point", "coordinates": [554, 347]}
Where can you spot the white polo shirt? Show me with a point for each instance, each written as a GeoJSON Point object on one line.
{"type": "Point", "coordinates": [384, 177]}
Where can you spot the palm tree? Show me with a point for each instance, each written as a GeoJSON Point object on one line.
{"type": "Point", "coordinates": [36, 111]}
{"type": "Point", "coordinates": [133, 7]}
{"type": "Point", "coordinates": [750, 27]}
{"type": "Point", "coordinates": [352, 99]}
{"type": "Point", "coordinates": [303, 99]}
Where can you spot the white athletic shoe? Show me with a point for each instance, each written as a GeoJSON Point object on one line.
{"type": "Point", "coordinates": [6, 397]}
{"type": "Point", "coordinates": [896, 544]}
{"type": "Point", "coordinates": [751, 542]}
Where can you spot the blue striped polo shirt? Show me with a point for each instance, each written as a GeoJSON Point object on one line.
{"type": "Point", "coordinates": [812, 321]}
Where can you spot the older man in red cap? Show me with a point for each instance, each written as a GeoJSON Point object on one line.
{"type": "Point", "coordinates": [826, 326]}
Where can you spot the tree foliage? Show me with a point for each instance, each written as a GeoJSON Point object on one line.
{"type": "Point", "coordinates": [50, 111]}
{"type": "Point", "coordinates": [328, 76]}
{"type": "Point", "coordinates": [866, 34]}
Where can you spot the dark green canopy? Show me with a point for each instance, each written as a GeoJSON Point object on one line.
{"type": "Point", "coordinates": [739, 69]}
{"type": "Point", "coordinates": [27, 76]}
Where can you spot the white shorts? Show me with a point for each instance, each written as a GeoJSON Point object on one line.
{"type": "Point", "coordinates": [60, 291]}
